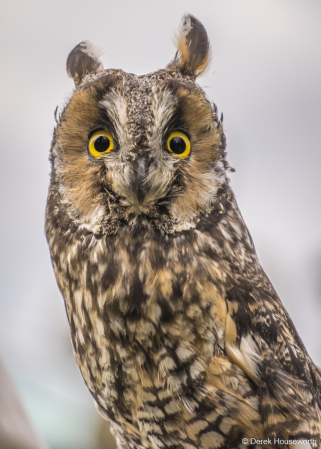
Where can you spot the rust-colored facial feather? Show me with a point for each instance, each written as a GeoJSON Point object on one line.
{"type": "Point", "coordinates": [79, 176]}
{"type": "Point", "coordinates": [199, 180]}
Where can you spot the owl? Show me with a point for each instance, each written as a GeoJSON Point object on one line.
{"type": "Point", "coordinates": [177, 331]}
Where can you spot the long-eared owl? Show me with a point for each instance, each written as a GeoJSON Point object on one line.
{"type": "Point", "coordinates": [177, 331]}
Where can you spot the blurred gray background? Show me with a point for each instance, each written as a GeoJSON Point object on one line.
{"type": "Point", "coordinates": [265, 77]}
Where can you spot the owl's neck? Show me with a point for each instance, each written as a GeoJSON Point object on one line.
{"type": "Point", "coordinates": [221, 236]}
{"type": "Point", "coordinates": [108, 217]}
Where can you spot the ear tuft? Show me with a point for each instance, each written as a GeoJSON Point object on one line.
{"type": "Point", "coordinates": [193, 47]}
{"type": "Point", "coordinates": [83, 59]}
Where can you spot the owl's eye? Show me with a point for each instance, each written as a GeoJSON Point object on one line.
{"type": "Point", "coordinates": [179, 144]}
{"type": "Point", "coordinates": [101, 142]}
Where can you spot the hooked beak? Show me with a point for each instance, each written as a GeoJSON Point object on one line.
{"type": "Point", "coordinates": [140, 166]}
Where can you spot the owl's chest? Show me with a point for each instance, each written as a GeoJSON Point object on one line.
{"type": "Point", "coordinates": [146, 317]}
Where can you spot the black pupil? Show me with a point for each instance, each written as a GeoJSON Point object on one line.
{"type": "Point", "coordinates": [177, 145]}
{"type": "Point", "coordinates": [102, 144]}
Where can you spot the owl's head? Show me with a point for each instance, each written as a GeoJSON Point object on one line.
{"type": "Point", "coordinates": [139, 149]}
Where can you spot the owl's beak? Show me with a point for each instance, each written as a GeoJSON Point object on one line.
{"type": "Point", "coordinates": [140, 166]}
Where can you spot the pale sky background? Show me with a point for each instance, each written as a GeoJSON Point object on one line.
{"type": "Point", "coordinates": [266, 78]}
